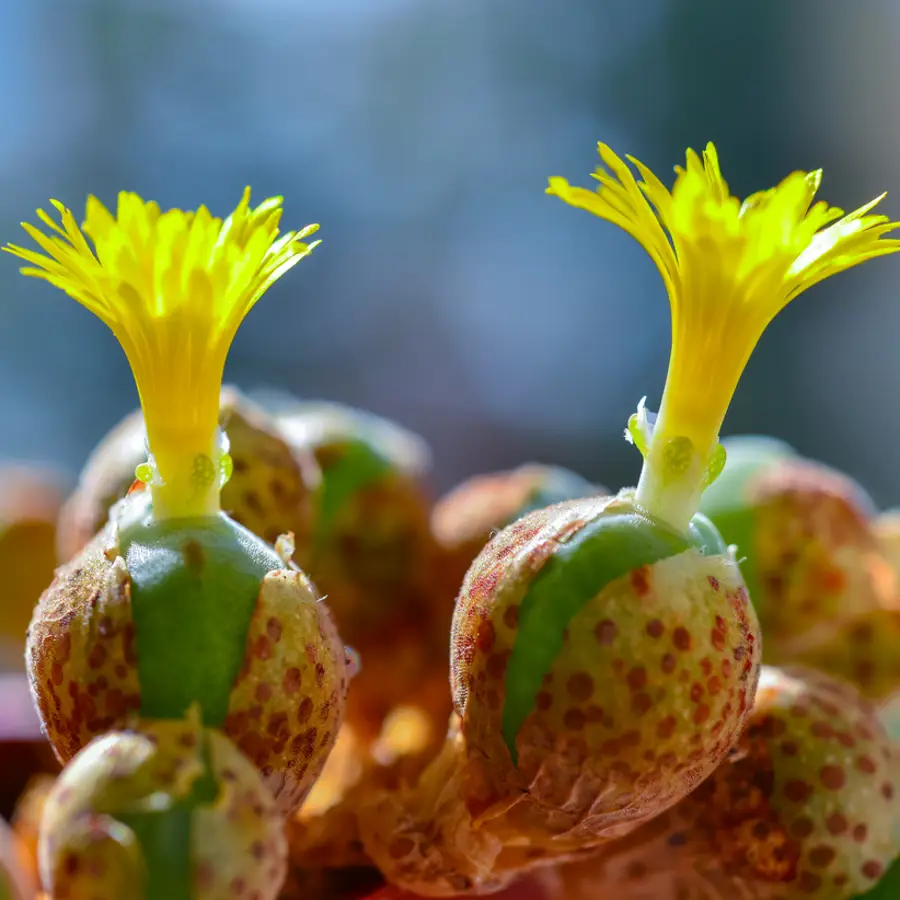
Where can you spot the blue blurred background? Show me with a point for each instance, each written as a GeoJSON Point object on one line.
{"type": "Point", "coordinates": [449, 292]}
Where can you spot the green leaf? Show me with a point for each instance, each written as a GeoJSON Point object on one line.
{"type": "Point", "coordinates": [194, 587]}
{"type": "Point", "coordinates": [359, 465]}
{"type": "Point", "coordinates": [165, 837]}
{"type": "Point", "coordinates": [715, 466]}
{"type": "Point", "coordinates": [637, 434]}
{"type": "Point", "coordinates": [557, 485]}
{"type": "Point", "coordinates": [604, 550]}
{"type": "Point", "coordinates": [726, 499]}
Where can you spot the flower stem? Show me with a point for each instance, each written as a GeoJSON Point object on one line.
{"type": "Point", "coordinates": [185, 481]}
{"type": "Point", "coordinates": [674, 473]}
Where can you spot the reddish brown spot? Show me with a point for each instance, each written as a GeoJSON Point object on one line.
{"type": "Point", "coordinates": [696, 692]}
{"type": "Point", "coordinates": [836, 824]}
{"type": "Point", "coordinates": [304, 711]}
{"type": "Point", "coordinates": [496, 665]}
{"type": "Point", "coordinates": [797, 791]}
{"type": "Point", "coordinates": [821, 856]}
{"type": "Point", "coordinates": [56, 674]}
{"type": "Point", "coordinates": [887, 791]}
{"type": "Point", "coordinates": [681, 637]}
{"type": "Point", "coordinates": [772, 727]}
{"type": "Point", "coordinates": [97, 656]}
{"type": "Point", "coordinates": [866, 764]}
{"type": "Point", "coordinates": [305, 743]}
{"type": "Point", "coordinates": [640, 580]}
{"type": "Point", "coordinates": [871, 868]}
{"type": "Point", "coordinates": [718, 639]}
{"type": "Point", "coordinates": [714, 686]}
{"type": "Point", "coordinates": [543, 701]}
{"type": "Point", "coordinates": [291, 680]}
{"type": "Point", "coordinates": [636, 870]}
{"type": "Point", "coordinates": [641, 703]}
{"type": "Point", "coordinates": [262, 647]}
{"type": "Point", "coordinates": [194, 559]}
{"type": "Point", "coordinates": [511, 616]}
{"type": "Point", "coordinates": [263, 692]}
{"type": "Point", "coordinates": [844, 739]}
{"type": "Point", "coordinates": [701, 714]}
{"type": "Point", "coordinates": [802, 828]}
{"type": "Point", "coordinates": [594, 713]}
{"type": "Point", "coordinates": [273, 629]}
{"type": "Point", "coordinates": [606, 632]}
{"type": "Point", "coordinates": [666, 728]}
{"type": "Point", "coordinates": [821, 729]}
{"type": "Point", "coordinates": [655, 628]}
{"type": "Point", "coordinates": [832, 777]}
{"type": "Point", "coordinates": [637, 678]}
{"type": "Point", "coordinates": [789, 748]}
{"type": "Point", "coordinates": [278, 725]}
{"type": "Point", "coordinates": [668, 664]}
{"type": "Point", "coordinates": [581, 686]}
{"type": "Point", "coordinates": [713, 582]}
{"type": "Point", "coordinates": [486, 636]}
{"type": "Point", "coordinates": [574, 719]}
{"type": "Point", "coordinates": [252, 501]}
{"type": "Point", "coordinates": [809, 882]}
{"type": "Point", "coordinates": [860, 833]}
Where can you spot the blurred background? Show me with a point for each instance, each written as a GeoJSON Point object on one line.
{"type": "Point", "coordinates": [450, 293]}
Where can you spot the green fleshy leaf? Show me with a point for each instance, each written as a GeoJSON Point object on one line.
{"type": "Point", "coordinates": [165, 837]}
{"type": "Point", "coordinates": [556, 486]}
{"type": "Point", "coordinates": [636, 433]}
{"type": "Point", "coordinates": [888, 888]}
{"type": "Point", "coordinates": [604, 550]}
{"type": "Point", "coordinates": [194, 587]}
{"type": "Point", "coordinates": [358, 466]}
{"type": "Point", "coordinates": [725, 499]}
{"type": "Point", "coordinates": [715, 466]}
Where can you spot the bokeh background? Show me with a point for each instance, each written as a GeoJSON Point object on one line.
{"type": "Point", "coordinates": [450, 293]}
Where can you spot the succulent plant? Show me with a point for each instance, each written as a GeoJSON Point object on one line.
{"type": "Point", "coordinates": [597, 654]}
{"type": "Point", "coordinates": [810, 556]}
{"type": "Point", "coordinates": [165, 811]}
{"type": "Point", "coordinates": [807, 805]}
{"type": "Point", "coordinates": [30, 499]}
{"type": "Point", "coordinates": [371, 545]}
{"type": "Point", "coordinates": [174, 604]}
{"type": "Point", "coordinates": [371, 552]}
{"type": "Point", "coordinates": [604, 652]}
{"type": "Point", "coordinates": [465, 519]}
{"type": "Point", "coordinates": [270, 489]}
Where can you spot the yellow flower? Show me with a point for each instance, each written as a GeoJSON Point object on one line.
{"type": "Point", "coordinates": [729, 268]}
{"type": "Point", "coordinates": [173, 287]}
